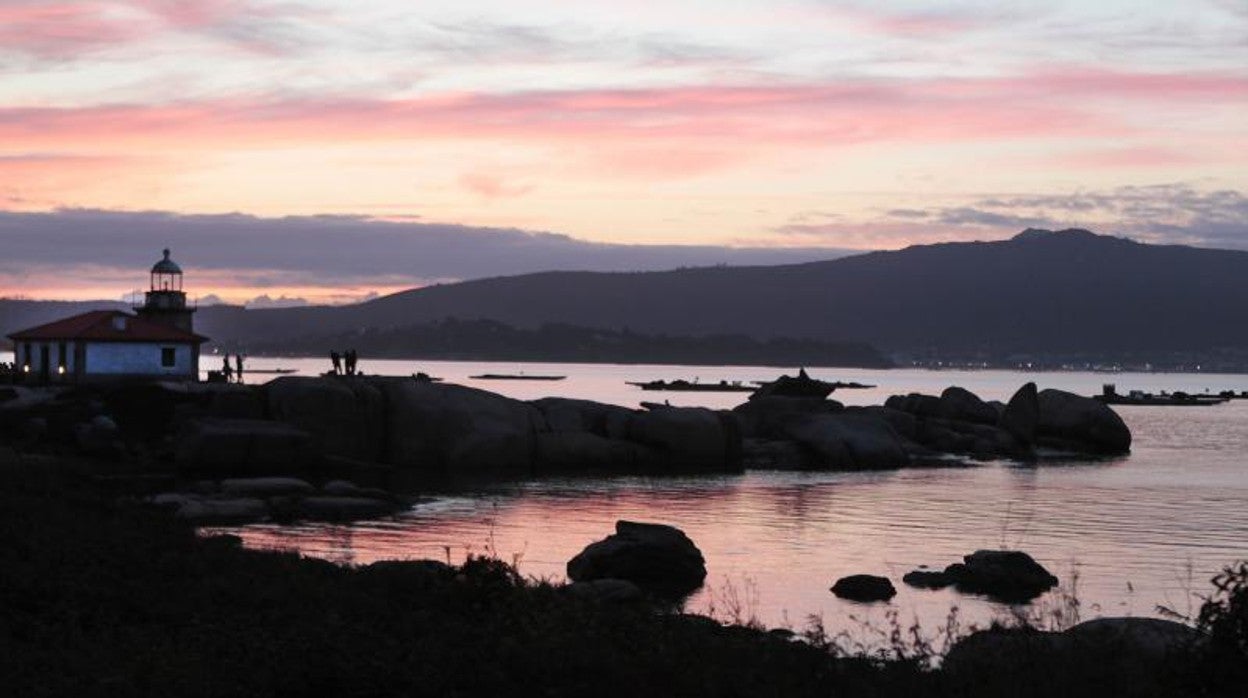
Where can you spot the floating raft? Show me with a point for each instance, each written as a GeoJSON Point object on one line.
{"type": "Point", "coordinates": [514, 377]}
{"type": "Point", "coordinates": [688, 387]}
{"type": "Point", "coordinates": [1170, 400]}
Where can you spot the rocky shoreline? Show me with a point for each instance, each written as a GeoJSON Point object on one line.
{"type": "Point", "coordinates": [356, 444]}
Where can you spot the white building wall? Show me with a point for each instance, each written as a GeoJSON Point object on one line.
{"type": "Point", "coordinates": [126, 358]}
{"type": "Point", "coordinates": [35, 358]}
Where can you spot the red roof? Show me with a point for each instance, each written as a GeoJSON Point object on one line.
{"type": "Point", "coordinates": [98, 326]}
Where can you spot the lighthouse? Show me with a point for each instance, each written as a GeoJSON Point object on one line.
{"type": "Point", "coordinates": [165, 301]}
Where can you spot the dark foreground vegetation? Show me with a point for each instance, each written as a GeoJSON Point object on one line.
{"type": "Point", "coordinates": [100, 597]}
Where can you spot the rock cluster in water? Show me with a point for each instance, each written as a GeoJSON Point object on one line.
{"type": "Point", "coordinates": [915, 429]}
{"type": "Point", "coordinates": [1005, 575]}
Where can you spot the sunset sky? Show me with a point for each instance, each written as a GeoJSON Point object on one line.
{"type": "Point", "coordinates": [326, 150]}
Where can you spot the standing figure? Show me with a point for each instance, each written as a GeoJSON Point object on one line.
{"type": "Point", "coordinates": [238, 367]}
{"type": "Point", "coordinates": [351, 358]}
{"type": "Point", "coordinates": [225, 368]}
{"type": "Point", "coordinates": [336, 359]}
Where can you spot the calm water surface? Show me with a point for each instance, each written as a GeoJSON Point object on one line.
{"type": "Point", "coordinates": [1139, 532]}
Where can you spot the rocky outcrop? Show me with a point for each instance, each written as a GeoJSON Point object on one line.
{"type": "Point", "coordinates": [864, 587]}
{"type": "Point", "coordinates": [1072, 422]}
{"type": "Point", "coordinates": [659, 559]}
{"type": "Point", "coordinates": [958, 422]}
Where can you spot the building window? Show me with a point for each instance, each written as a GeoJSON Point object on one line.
{"type": "Point", "coordinates": [168, 357]}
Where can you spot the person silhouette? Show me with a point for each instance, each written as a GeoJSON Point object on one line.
{"type": "Point", "coordinates": [336, 359]}
{"type": "Point", "coordinates": [225, 368]}
{"type": "Point", "coordinates": [238, 367]}
{"type": "Point", "coordinates": [351, 359]}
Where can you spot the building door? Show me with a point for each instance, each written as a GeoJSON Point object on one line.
{"type": "Point", "coordinates": [44, 364]}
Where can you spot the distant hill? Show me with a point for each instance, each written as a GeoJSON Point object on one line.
{"type": "Point", "coordinates": [1040, 292]}
{"type": "Point", "coordinates": [494, 341]}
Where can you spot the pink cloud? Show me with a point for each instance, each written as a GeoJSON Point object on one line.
{"type": "Point", "coordinates": [677, 130]}
{"type": "Point", "coordinates": [491, 186]}
{"type": "Point", "coordinates": [59, 30]}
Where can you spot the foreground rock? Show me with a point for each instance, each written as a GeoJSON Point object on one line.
{"type": "Point", "coordinates": [659, 559]}
{"type": "Point", "coordinates": [1011, 576]}
{"type": "Point", "coordinates": [864, 587]}
{"type": "Point", "coordinates": [1106, 656]}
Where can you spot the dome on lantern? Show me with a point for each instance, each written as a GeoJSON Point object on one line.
{"type": "Point", "coordinates": [166, 265]}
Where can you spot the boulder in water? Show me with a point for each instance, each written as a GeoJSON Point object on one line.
{"type": "Point", "coordinates": [1006, 575]}
{"type": "Point", "coordinates": [657, 558]}
{"type": "Point", "coordinates": [1073, 422]}
{"type": "Point", "coordinates": [864, 587]}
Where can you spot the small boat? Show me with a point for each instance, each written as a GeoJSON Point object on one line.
{"type": "Point", "coordinates": [515, 377]}
{"type": "Point", "coordinates": [681, 385]}
{"type": "Point", "coordinates": [425, 377]}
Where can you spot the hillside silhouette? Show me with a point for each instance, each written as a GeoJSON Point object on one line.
{"type": "Point", "coordinates": [1069, 291]}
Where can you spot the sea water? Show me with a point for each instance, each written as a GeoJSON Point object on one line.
{"type": "Point", "coordinates": [1139, 535]}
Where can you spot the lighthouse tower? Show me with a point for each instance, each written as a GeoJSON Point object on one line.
{"type": "Point", "coordinates": [165, 303]}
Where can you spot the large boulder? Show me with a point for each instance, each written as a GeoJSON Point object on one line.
{"type": "Point", "coordinates": [864, 587]}
{"type": "Point", "coordinates": [850, 440]}
{"type": "Point", "coordinates": [688, 438]}
{"type": "Point", "coordinates": [444, 429]}
{"type": "Point", "coordinates": [345, 416]}
{"type": "Point", "coordinates": [242, 447]}
{"type": "Point", "coordinates": [962, 405]}
{"type": "Point", "coordinates": [1073, 422]}
{"type": "Point", "coordinates": [1011, 576]}
{"type": "Point", "coordinates": [1022, 414]}
{"type": "Point", "coordinates": [657, 558]}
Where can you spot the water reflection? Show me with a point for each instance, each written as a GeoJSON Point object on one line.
{"type": "Point", "coordinates": [1140, 531]}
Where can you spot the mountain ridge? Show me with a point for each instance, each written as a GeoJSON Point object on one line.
{"type": "Point", "coordinates": [1040, 291]}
